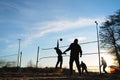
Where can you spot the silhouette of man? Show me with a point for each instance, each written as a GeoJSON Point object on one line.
{"type": "Point", "coordinates": [104, 64]}
{"type": "Point", "coordinates": [75, 49]}
{"type": "Point", "coordinates": [60, 59]}
{"type": "Point", "coordinates": [84, 67]}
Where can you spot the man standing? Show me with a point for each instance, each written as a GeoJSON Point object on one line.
{"type": "Point", "coordinates": [75, 49]}
{"type": "Point", "coordinates": [104, 64]}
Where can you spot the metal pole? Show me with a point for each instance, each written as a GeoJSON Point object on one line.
{"type": "Point", "coordinates": [18, 53]}
{"type": "Point", "coordinates": [98, 45]}
{"type": "Point", "coordinates": [37, 57]}
{"type": "Point", "coordinates": [20, 58]}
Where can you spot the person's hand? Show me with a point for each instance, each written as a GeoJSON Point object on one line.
{"type": "Point", "coordinates": [64, 52]}
{"type": "Point", "coordinates": [80, 55]}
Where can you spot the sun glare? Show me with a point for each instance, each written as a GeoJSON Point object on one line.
{"type": "Point", "coordinates": [108, 59]}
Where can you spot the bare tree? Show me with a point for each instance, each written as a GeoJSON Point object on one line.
{"type": "Point", "coordinates": [30, 64]}
{"type": "Point", "coordinates": [10, 64]}
{"type": "Point", "coordinates": [110, 35]}
{"type": "Point", "coordinates": [2, 63]}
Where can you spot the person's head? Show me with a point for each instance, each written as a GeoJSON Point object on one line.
{"type": "Point", "coordinates": [76, 41]}
{"type": "Point", "coordinates": [81, 61]}
{"type": "Point", "coordinates": [102, 58]}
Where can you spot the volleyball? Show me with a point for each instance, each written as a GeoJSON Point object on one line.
{"type": "Point", "coordinates": [61, 39]}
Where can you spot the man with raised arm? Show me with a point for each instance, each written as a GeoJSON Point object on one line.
{"type": "Point", "coordinates": [75, 53]}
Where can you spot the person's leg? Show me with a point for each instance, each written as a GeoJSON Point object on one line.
{"type": "Point", "coordinates": [104, 69]}
{"type": "Point", "coordinates": [57, 64]}
{"type": "Point", "coordinates": [82, 70]}
{"type": "Point", "coordinates": [78, 65]}
{"type": "Point", "coordinates": [86, 70]}
{"type": "Point", "coordinates": [61, 62]}
{"type": "Point", "coordinates": [71, 66]}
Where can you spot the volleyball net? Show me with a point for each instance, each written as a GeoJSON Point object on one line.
{"type": "Point", "coordinates": [48, 56]}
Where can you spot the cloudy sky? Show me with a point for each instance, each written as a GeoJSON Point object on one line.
{"type": "Point", "coordinates": [43, 22]}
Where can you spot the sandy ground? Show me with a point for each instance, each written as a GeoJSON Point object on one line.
{"type": "Point", "coordinates": [90, 76]}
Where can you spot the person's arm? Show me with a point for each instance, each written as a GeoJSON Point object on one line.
{"type": "Point", "coordinates": [67, 49]}
{"type": "Point", "coordinates": [80, 52]}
